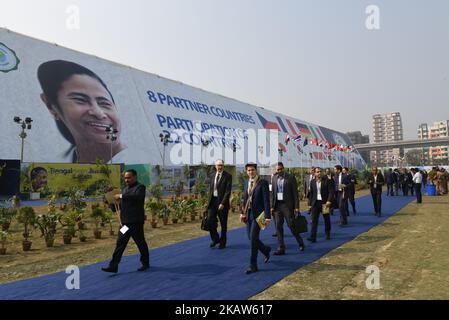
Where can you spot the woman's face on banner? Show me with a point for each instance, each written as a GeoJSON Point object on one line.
{"type": "Point", "coordinates": [87, 109]}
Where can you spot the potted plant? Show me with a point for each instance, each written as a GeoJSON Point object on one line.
{"type": "Point", "coordinates": [176, 209]}
{"type": "Point", "coordinates": [164, 213]}
{"type": "Point", "coordinates": [4, 235]}
{"type": "Point", "coordinates": [27, 217]}
{"type": "Point", "coordinates": [107, 218]}
{"type": "Point", "coordinates": [46, 224]}
{"type": "Point", "coordinates": [193, 204]}
{"type": "Point", "coordinates": [6, 216]}
{"type": "Point", "coordinates": [98, 215]}
{"type": "Point", "coordinates": [154, 207]}
{"type": "Point", "coordinates": [69, 220]}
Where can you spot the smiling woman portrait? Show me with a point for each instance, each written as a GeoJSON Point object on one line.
{"type": "Point", "coordinates": [83, 108]}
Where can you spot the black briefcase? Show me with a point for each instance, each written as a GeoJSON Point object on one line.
{"type": "Point", "coordinates": [204, 222]}
{"type": "Point", "coordinates": [299, 224]}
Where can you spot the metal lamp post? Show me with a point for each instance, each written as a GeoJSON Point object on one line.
{"type": "Point", "coordinates": [164, 141]}
{"type": "Point", "coordinates": [111, 134]}
{"type": "Point", "coordinates": [25, 125]}
{"type": "Point", "coordinates": [204, 143]}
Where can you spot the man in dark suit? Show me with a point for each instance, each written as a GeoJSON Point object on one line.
{"type": "Point", "coordinates": [284, 205]}
{"type": "Point", "coordinates": [341, 193]}
{"type": "Point", "coordinates": [218, 205]}
{"type": "Point", "coordinates": [256, 200]}
{"type": "Point", "coordinates": [396, 181]}
{"type": "Point", "coordinates": [330, 178]}
{"type": "Point", "coordinates": [321, 193]}
{"type": "Point", "coordinates": [132, 219]}
{"type": "Point", "coordinates": [376, 181]}
{"type": "Point", "coordinates": [350, 188]}
{"type": "Point", "coordinates": [307, 181]}
{"type": "Point", "coordinates": [390, 179]}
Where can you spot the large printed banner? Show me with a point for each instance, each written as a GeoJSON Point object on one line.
{"type": "Point", "coordinates": [74, 98]}
{"type": "Point", "coordinates": [57, 178]}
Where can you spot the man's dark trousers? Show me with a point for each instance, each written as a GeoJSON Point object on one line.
{"type": "Point", "coordinates": [418, 187]}
{"type": "Point", "coordinates": [343, 207]}
{"type": "Point", "coordinates": [213, 215]}
{"type": "Point", "coordinates": [316, 210]}
{"type": "Point", "coordinates": [282, 213]}
{"type": "Point", "coordinates": [253, 230]}
{"type": "Point", "coordinates": [377, 201]}
{"type": "Point", "coordinates": [136, 232]}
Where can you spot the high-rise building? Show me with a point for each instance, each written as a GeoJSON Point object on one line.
{"type": "Point", "coordinates": [358, 138]}
{"type": "Point", "coordinates": [387, 128]}
{"type": "Point", "coordinates": [435, 155]}
{"type": "Point", "coordinates": [423, 134]}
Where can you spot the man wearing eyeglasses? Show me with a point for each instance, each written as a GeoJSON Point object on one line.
{"type": "Point", "coordinates": [218, 205]}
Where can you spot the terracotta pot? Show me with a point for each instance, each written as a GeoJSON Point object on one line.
{"type": "Point", "coordinates": [2, 251]}
{"type": "Point", "coordinates": [175, 221]}
{"type": "Point", "coordinates": [49, 242]}
{"type": "Point", "coordinates": [5, 226]}
{"type": "Point", "coordinates": [192, 217]}
{"type": "Point", "coordinates": [184, 219]}
{"type": "Point", "coordinates": [154, 224]}
{"type": "Point", "coordinates": [97, 234]}
{"type": "Point", "coordinates": [165, 221]}
{"type": "Point", "coordinates": [83, 238]}
{"type": "Point", "coordinates": [111, 232]}
{"type": "Point", "coordinates": [26, 245]}
{"type": "Point", "coordinates": [67, 239]}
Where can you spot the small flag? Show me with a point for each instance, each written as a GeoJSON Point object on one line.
{"type": "Point", "coordinates": [287, 138]}
{"type": "Point", "coordinates": [297, 139]}
{"type": "Point", "coordinates": [306, 142]}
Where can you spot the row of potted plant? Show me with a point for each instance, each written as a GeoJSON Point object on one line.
{"type": "Point", "coordinates": [70, 217]}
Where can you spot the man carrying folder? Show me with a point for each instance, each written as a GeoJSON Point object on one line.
{"type": "Point", "coordinates": [256, 204]}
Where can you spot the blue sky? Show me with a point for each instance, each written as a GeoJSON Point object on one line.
{"type": "Point", "coordinates": [314, 60]}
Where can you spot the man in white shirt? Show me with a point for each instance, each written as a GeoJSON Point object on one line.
{"type": "Point", "coordinates": [417, 184]}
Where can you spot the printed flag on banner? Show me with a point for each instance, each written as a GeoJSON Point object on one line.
{"type": "Point", "coordinates": [306, 142]}
{"type": "Point", "coordinates": [282, 148]}
{"type": "Point", "coordinates": [297, 139]}
{"type": "Point", "coordinates": [304, 130]}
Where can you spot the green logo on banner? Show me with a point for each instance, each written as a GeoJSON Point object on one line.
{"type": "Point", "coordinates": [8, 59]}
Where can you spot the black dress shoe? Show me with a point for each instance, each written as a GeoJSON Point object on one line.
{"type": "Point", "coordinates": [279, 252]}
{"type": "Point", "coordinates": [311, 240]}
{"type": "Point", "coordinates": [251, 270]}
{"type": "Point", "coordinates": [274, 235]}
{"type": "Point", "coordinates": [267, 255]}
{"type": "Point", "coordinates": [213, 244]}
{"type": "Point", "coordinates": [221, 246]}
{"type": "Point", "coordinates": [144, 267]}
{"type": "Point", "coordinates": [110, 269]}
{"type": "Point", "coordinates": [301, 248]}
{"type": "Point", "coordinates": [328, 237]}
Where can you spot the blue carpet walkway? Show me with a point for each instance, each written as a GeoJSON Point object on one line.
{"type": "Point", "coordinates": [190, 270]}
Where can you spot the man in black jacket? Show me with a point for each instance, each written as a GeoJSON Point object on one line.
{"type": "Point", "coordinates": [321, 193]}
{"type": "Point", "coordinates": [284, 205]}
{"type": "Point", "coordinates": [218, 205]}
{"type": "Point", "coordinates": [132, 219]}
{"type": "Point", "coordinates": [352, 180]}
{"type": "Point", "coordinates": [376, 181]}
